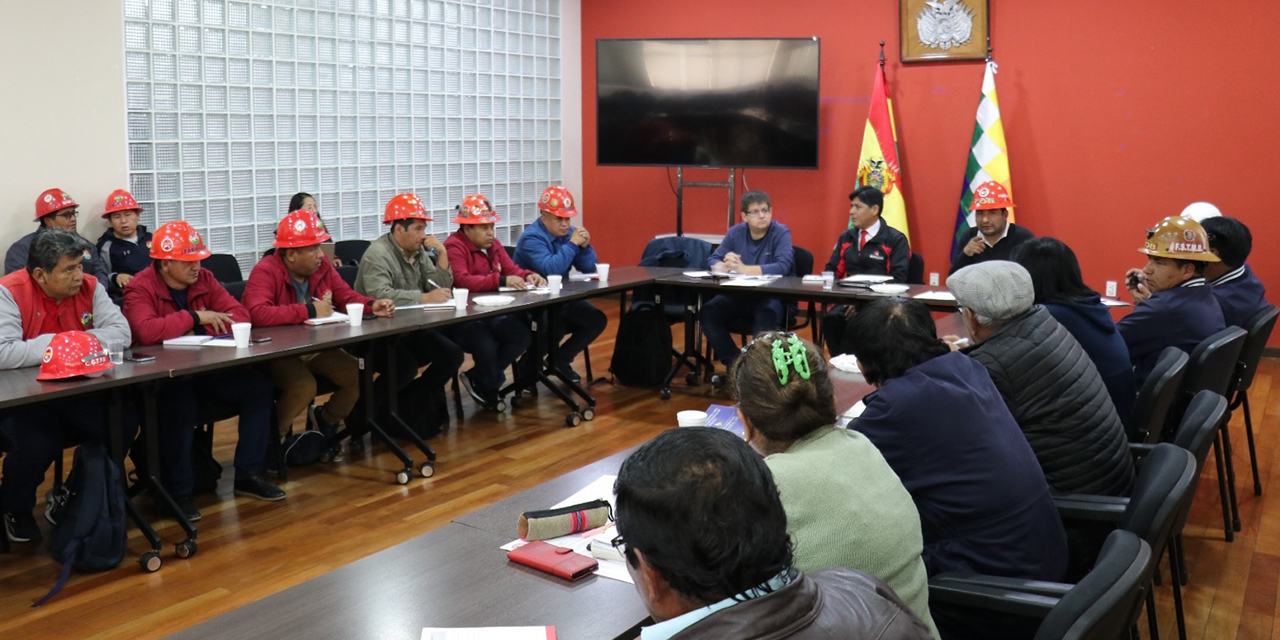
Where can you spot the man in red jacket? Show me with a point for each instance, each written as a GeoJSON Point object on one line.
{"type": "Point", "coordinates": [290, 286]}
{"type": "Point", "coordinates": [480, 263]}
{"type": "Point", "coordinates": [175, 297]}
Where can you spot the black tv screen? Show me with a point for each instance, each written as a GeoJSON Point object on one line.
{"type": "Point", "coordinates": [708, 103]}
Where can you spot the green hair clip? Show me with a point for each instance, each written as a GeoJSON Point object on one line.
{"type": "Point", "coordinates": [792, 355]}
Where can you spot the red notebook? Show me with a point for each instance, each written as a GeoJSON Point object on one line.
{"type": "Point", "coordinates": [557, 561]}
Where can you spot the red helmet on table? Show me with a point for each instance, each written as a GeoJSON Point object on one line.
{"type": "Point", "coordinates": [120, 200]}
{"type": "Point", "coordinates": [53, 201]}
{"type": "Point", "coordinates": [475, 209]}
{"type": "Point", "coordinates": [405, 206]}
{"type": "Point", "coordinates": [300, 228]}
{"type": "Point", "coordinates": [178, 240]}
{"type": "Point", "coordinates": [557, 200]}
{"type": "Point", "coordinates": [71, 354]}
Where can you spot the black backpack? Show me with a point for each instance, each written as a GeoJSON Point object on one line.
{"type": "Point", "coordinates": [89, 510]}
{"type": "Point", "coordinates": [642, 351]}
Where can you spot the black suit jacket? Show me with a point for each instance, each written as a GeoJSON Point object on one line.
{"type": "Point", "coordinates": [887, 252]}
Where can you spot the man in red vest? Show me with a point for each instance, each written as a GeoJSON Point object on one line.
{"type": "Point", "coordinates": [50, 296]}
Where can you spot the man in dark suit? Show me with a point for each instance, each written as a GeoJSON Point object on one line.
{"type": "Point", "coordinates": [871, 247]}
{"type": "Point", "coordinates": [1239, 292]}
{"type": "Point", "coordinates": [992, 236]}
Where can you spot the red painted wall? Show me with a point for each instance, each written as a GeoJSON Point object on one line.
{"type": "Point", "coordinates": [1116, 114]}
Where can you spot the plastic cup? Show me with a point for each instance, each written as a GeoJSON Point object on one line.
{"type": "Point", "coordinates": [828, 279]}
{"type": "Point", "coordinates": [240, 332]}
{"type": "Point", "coordinates": [554, 283]}
{"type": "Point", "coordinates": [691, 418]}
{"type": "Point", "coordinates": [355, 311]}
{"type": "Point", "coordinates": [460, 297]}
{"type": "Point", "coordinates": [115, 351]}
{"type": "Point", "coordinates": [603, 271]}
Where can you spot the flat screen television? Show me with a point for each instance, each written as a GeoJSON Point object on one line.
{"type": "Point", "coordinates": [708, 103]}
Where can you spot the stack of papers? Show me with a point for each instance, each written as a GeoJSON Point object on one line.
{"type": "Point", "coordinates": [583, 277]}
{"type": "Point", "coordinates": [490, 633]}
{"type": "Point", "coordinates": [331, 319]}
{"type": "Point", "coordinates": [199, 341]}
{"type": "Point", "coordinates": [1112, 302]}
{"type": "Point", "coordinates": [867, 277]}
{"type": "Point", "coordinates": [534, 290]}
{"type": "Point", "coordinates": [744, 282]}
{"type": "Point", "coordinates": [944, 296]}
{"type": "Point", "coordinates": [430, 306]}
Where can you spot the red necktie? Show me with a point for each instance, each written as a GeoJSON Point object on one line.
{"type": "Point", "coordinates": [862, 242]}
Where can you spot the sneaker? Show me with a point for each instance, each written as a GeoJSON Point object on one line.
{"type": "Point", "coordinates": [258, 487]}
{"type": "Point", "coordinates": [21, 526]}
{"type": "Point", "coordinates": [568, 373]}
{"type": "Point", "coordinates": [187, 507]}
{"type": "Point", "coordinates": [54, 502]}
{"type": "Point", "coordinates": [482, 397]}
{"type": "Point", "coordinates": [327, 429]}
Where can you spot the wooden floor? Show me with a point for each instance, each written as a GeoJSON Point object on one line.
{"type": "Point", "coordinates": [338, 513]}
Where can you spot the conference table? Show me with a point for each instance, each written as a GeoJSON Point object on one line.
{"type": "Point", "coordinates": [457, 576]}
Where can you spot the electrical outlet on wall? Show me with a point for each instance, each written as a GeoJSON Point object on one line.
{"type": "Point", "coordinates": [933, 278]}
{"type": "Point", "coordinates": [1111, 288]}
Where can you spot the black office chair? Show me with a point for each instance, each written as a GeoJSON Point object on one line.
{"type": "Point", "coordinates": [1259, 332]}
{"type": "Point", "coordinates": [1151, 408]}
{"type": "Point", "coordinates": [1212, 367]}
{"type": "Point", "coordinates": [224, 266]}
{"type": "Point", "coordinates": [348, 273]}
{"type": "Point", "coordinates": [915, 269]}
{"type": "Point", "coordinates": [804, 267]}
{"type": "Point", "coordinates": [678, 307]}
{"type": "Point", "coordinates": [236, 289]}
{"type": "Point", "coordinates": [1161, 495]}
{"type": "Point", "coordinates": [350, 251]}
{"type": "Point", "coordinates": [1104, 605]}
{"type": "Point", "coordinates": [1197, 434]}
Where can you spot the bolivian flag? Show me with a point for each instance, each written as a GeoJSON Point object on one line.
{"type": "Point", "coordinates": [879, 166]}
{"type": "Point", "coordinates": [988, 156]}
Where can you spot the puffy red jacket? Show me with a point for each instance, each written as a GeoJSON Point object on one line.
{"type": "Point", "coordinates": [74, 313]}
{"type": "Point", "coordinates": [154, 316]}
{"type": "Point", "coordinates": [476, 270]}
{"type": "Point", "coordinates": [272, 300]}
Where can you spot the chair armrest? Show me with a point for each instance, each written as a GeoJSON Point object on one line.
{"type": "Point", "coordinates": [1140, 449]}
{"type": "Point", "coordinates": [1023, 585]}
{"type": "Point", "coordinates": [1078, 506]}
{"type": "Point", "coordinates": [991, 598]}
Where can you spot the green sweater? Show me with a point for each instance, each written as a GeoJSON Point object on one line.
{"type": "Point", "coordinates": [385, 273]}
{"type": "Point", "coordinates": [847, 508]}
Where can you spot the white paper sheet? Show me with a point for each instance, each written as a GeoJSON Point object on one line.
{"type": "Point", "coordinates": [744, 282]}
{"type": "Point", "coordinates": [1112, 302]}
{"type": "Point", "coordinates": [600, 489]}
{"type": "Point", "coordinates": [489, 633]}
{"type": "Point", "coordinates": [846, 362]}
{"type": "Point", "coordinates": [867, 277]}
{"type": "Point", "coordinates": [935, 295]}
{"type": "Point", "coordinates": [332, 319]}
{"type": "Point", "coordinates": [429, 306]}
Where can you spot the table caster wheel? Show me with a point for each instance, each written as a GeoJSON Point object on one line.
{"type": "Point", "coordinates": [403, 476]}
{"type": "Point", "coordinates": [500, 406]}
{"type": "Point", "coordinates": [691, 379]}
{"type": "Point", "coordinates": [427, 469]}
{"type": "Point", "coordinates": [357, 446]}
{"type": "Point", "coordinates": [588, 414]}
{"type": "Point", "coordinates": [665, 394]}
{"type": "Point", "coordinates": [186, 549]}
{"type": "Point", "coordinates": [572, 420]}
{"type": "Point", "coordinates": [150, 562]}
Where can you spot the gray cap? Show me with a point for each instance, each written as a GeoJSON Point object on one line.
{"type": "Point", "coordinates": [996, 289]}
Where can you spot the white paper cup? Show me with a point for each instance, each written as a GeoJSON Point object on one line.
{"type": "Point", "coordinates": [603, 270]}
{"type": "Point", "coordinates": [691, 418]}
{"type": "Point", "coordinates": [240, 331]}
{"type": "Point", "coordinates": [355, 311]}
{"type": "Point", "coordinates": [554, 283]}
{"type": "Point", "coordinates": [460, 297]}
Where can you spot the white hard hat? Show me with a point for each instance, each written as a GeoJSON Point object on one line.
{"type": "Point", "coordinates": [1198, 211]}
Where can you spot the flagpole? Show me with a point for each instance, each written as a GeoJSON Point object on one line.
{"type": "Point", "coordinates": [882, 53]}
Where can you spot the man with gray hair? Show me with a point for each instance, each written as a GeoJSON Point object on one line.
{"type": "Point", "coordinates": [1047, 380]}
{"type": "Point", "coordinates": [50, 296]}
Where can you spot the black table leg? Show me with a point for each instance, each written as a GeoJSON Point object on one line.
{"type": "Point", "coordinates": [151, 430]}
{"type": "Point", "coordinates": [428, 468]}
{"type": "Point", "coordinates": [363, 356]}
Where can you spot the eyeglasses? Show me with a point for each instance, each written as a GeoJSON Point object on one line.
{"type": "Point", "coordinates": [618, 543]}
{"type": "Point", "coordinates": [67, 215]}
{"type": "Point", "coordinates": [756, 212]}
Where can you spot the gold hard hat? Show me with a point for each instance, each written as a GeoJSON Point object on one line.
{"type": "Point", "coordinates": [1178, 238]}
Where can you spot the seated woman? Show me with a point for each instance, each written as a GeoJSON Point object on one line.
{"type": "Point", "coordinates": [1061, 290]}
{"type": "Point", "coordinates": [939, 421]}
{"type": "Point", "coordinates": [304, 200]}
{"type": "Point", "coordinates": [845, 507]}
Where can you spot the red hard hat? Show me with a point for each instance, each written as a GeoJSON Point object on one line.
{"type": "Point", "coordinates": [475, 209]}
{"type": "Point", "coordinates": [300, 228]}
{"type": "Point", "coordinates": [73, 353]}
{"type": "Point", "coordinates": [557, 199]}
{"type": "Point", "coordinates": [120, 200]}
{"type": "Point", "coordinates": [405, 206]}
{"type": "Point", "coordinates": [991, 195]}
{"type": "Point", "coordinates": [53, 201]}
{"type": "Point", "coordinates": [178, 240]}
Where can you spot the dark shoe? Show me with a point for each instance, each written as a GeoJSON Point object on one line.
{"type": "Point", "coordinates": [720, 380]}
{"type": "Point", "coordinates": [21, 527]}
{"type": "Point", "coordinates": [327, 429]}
{"type": "Point", "coordinates": [258, 487]}
{"type": "Point", "coordinates": [187, 507]}
{"type": "Point", "coordinates": [567, 372]}
{"type": "Point", "coordinates": [481, 395]}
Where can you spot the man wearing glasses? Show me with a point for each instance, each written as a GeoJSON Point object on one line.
{"type": "Point", "coordinates": [755, 246]}
{"type": "Point", "coordinates": [55, 210]}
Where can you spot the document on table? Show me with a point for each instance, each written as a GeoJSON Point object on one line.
{"type": "Point", "coordinates": [867, 277]}
{"type": "Point", "coordinates": [744, 282]}
{"type": "Point", "coordinates": [489, 633]}
{"type": "Point", "coordinates": [852, 414]}
{"type": "Point", "coordinates": [580, 543]}
{"type": "Point", "coordinates": [1112, 302]}
{"type": "Point", "coordinates": [583, 277]}
{"type": "Point", "coordinates": [430, 306]}
{"type": "Point", "coordinates": [330, 319]}
{"type": "Point", "coordinates": [536, 291]}
{"type": "Point", "coordinates": [944, 296]}
{"type": "Point", "coordinates": [199, 341]}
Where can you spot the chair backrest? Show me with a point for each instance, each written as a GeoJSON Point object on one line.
{"type": "Point", "coordinates": [224, 267]}
{"type": "Point", "coordinates": [236, 289]}
{"type": "Point", "coordinates": [1151, 408]}
{"type": "Point", "coordinates": [676, 251]}
{"type": "Point", "coordinates": [348, 273]}
{"type": "Point", "coordinates": [1162, 492]}
{"type": "Point", "coordinates": [803, 261]}
{"type": "Point", "coordinates": [1212, 367]}
{"type": "Point", "coordinates": [915, 269]}
{"type": "Point", "coordinates": [1107, 602]}
{"type": "Point", "coordinates": [350, 251]}
{"type": "Point", "coordinates": [1196, 433]}
{"type": "Point", "coordinates": [1259, 329]}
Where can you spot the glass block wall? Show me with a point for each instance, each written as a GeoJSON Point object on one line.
{"type": "Point", "coordinates": [235, 106]}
